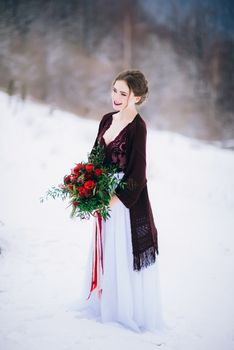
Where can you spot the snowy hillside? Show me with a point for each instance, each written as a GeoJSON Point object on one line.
{"type": "Point", "coordinates": [43, 251]}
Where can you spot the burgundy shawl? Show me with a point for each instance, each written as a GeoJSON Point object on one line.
{"type": "Point", "coordinates": [128, 150]}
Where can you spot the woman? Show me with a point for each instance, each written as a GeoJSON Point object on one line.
{"type": "Point", "coordinates": [127, 287]}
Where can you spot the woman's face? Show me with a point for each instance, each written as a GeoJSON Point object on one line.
{"type": "Point", "coordinates": [121, 96]}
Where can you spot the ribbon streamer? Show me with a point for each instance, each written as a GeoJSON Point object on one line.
{"type": "Point", "coordinates": [97, 265]}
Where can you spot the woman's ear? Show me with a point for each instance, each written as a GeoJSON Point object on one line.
{"type": "Point", "coordinates": [137, 99]}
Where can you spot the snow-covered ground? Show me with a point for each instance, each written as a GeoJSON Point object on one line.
{"type": "Point", "coordinates": [43, 251]}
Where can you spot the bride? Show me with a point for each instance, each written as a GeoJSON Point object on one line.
{"type": "Point", "coordinates": [122, 275]}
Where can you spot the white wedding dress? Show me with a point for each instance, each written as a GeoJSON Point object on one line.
{"type": "Point", "coordinates": [130, 298]}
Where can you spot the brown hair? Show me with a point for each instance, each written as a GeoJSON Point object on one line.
{"type": "Point", "coordinates": [136, 82]}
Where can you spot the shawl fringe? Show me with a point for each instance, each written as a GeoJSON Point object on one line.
{"type": "Point", "coordinates": [144, 259]}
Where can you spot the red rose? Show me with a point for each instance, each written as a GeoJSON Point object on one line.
{"type": "Point", "coordinates": [81, 191]}
{"type": "Point", "coordinates": [67, 179]}
{"type": "Point", "coordinates": [88, 185]}
{"type": "Point", "coordinates": [74, 178]}
{"type": "Point", "coordinates": [80, 166]}
{"type": "Point", "coordinates": [98, 172]}
{"type": "Point", "coordinates": [76, 170]}
{"type": "Point", "coordinates": [89, 167]}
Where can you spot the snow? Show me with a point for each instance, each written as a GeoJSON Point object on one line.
{"type": "Point", "coordinates": [44, 252]}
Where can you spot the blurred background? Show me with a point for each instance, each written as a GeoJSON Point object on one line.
{"type": "Point", "coordinates": [67, 53]}
{"type": "Point", "coordinates": [58, 60]}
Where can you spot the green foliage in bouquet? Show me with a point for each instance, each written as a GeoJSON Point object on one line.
{"type": "Point", "coordinates": [89, 186]}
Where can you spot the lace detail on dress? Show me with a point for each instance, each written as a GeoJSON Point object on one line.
{"type": "Point", "coordinates": [115, 151]}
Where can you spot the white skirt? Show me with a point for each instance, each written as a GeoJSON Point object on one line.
{"type": "Point", "coordinates": [130, 298]}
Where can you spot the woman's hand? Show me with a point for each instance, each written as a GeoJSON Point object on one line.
{"type": "Point", "coordinates": [114, 200]}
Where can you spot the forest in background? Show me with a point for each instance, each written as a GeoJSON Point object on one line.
{"type": "Point", "coordinates": [67, 53]}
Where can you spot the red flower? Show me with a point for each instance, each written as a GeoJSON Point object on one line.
{"type": "Point", "coordinates": [98, 172]}
{"type": "Point", "coordinates": [89, 167]}
{"type": "Point", "coordinates": [67, 179]}
{"type": "Point", "coordinates": [88, 185]}
{"type": "Point", "coordinates": [74, 178]}
{"type": "Point", "coordinates": [70, 187]}
{"type": "Point", "coordinates": [80, 166]}
{"type": "Point", "coordinates": [81, 191]}
{"type": "Point", "coordinates": [76, 170]}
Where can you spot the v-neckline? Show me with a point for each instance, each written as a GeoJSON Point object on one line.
{"type": "Point", "coordinates": [120, 130]}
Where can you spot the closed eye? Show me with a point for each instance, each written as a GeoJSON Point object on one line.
{"type": "Point", "coordinates": [122, 93]}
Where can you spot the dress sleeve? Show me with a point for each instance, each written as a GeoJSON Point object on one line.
{"type": "Point", "coordinates": [135, 173]}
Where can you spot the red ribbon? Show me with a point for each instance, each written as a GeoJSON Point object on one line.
{"type": "Point", "coordinates": [97, 265]}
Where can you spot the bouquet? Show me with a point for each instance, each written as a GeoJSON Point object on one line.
{"type": "Point", "coordinates": [89, 186]}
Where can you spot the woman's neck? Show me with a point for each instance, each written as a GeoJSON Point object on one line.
{"type": "Point", "coordinates": [127, 114]}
